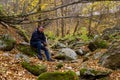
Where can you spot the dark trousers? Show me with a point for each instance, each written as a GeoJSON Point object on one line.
{"type": "Point", "coordinates": [40, 47]}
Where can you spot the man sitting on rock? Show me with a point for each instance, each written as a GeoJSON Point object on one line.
{"type": "Point", "coordinates": [38, 41]}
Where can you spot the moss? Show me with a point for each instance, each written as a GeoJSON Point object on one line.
{"type": "Point", "coordinates": [63, 57]}
{"type": "Point", "coordinates": [60, 57]}
{"type": "Point", "coordinates": [58, 76]}
{"type": "Point", "coordinates": [26, 50]}
{"type": "Point", "coordinates": [34, 69]}
{"type": "Point", "coordinates": [104, 78]}
{"type": "Point", "coordinates": [23, 33]}
{"type": "Point", "coordinates": [82, 71]}
{"type": "Point", "coordinates": [8, 41]}
{"type": "Point", "coordinates": [101, 44]}
{"type": "Point", "coordinates": [59, 65]}
{"type": "Point", "coordinates": [92, 72]}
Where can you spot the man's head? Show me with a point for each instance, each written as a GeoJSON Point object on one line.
{"type": "Point", "coordinates": [41, 29]}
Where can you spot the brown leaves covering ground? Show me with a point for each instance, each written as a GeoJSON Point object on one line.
{"type": "Point", "coordinates": [11, 69]}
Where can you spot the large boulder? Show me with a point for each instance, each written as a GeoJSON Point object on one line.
{"type": "Point", "coordinates": [111, 59]}
{"type": "Point", "coordinates": [58, 76]}
{"type": "Point", "coordinates": [27, 49]}
{"type": "Point", "coordinates": [35, 69]}
{"type": "Point", "coordinates": [69, 53]}
{"type": "Point", "coordinates": [7, 42]}
{"type": "Point", "coordinates": [92, 74]}
{"type": "Point", "coordinates": [98, 43]}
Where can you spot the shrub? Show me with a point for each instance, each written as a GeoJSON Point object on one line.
{"type": "Point", "coordinates": [84, 33]}
{"type": "Point", "coordinates": [50, 35]}
{"type": "Point", "coordinates": [101, 44]}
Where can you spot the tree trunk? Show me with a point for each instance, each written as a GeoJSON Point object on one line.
{"type": "Point", "coordinates": [40, 16]}
{"type": "Point", "coordinates": [90, 21]}
{"type": "Point", "coordinates": [57, 24]}
{"type": "Point", "coordinates": [75, 30]}
{"type": "Point", "coordinates": [62, 21]}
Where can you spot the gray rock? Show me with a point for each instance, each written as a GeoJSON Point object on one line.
{"type": "Point", "coordinates": [74, 61]}
{"type": "Point", "coordinates": [111, 32]}
{"type": "Point", "coordinates": [76, 44]}
{"type": "Point", "coordinates": [97, 55]}
{"type": "Point", "coordinates": [92, 74]}
{"type": "Point", "coordinates": [59, 45]}
{"type": "Point", "coordinates": [6, 54]}
{"type": "Point", "coordinates": [2, 45]}
{"type": "Point", "coordinates": [111, 59]}
{"type": "Point", "coordinates": [25, 43]}
{"type": "Point", "coordinates": [7, 42]}
{"type": "Point", "coordinates": [69, 68]}
{"type": "Point", "coordinates": [87, 55]}
{"type": "Point", "coordinates": [78, 73]}
{"type": "Point", "coordinates": [80, 52]}
{"type": "Point", "coordinates": [69, 53]}
{"type": "Point", "coordinates": [22, 56]}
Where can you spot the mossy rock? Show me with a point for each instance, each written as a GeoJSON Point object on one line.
{"type": "Point", "coordinates": [111, 59]}
{"type": "Point", "coordinates": [101, 44]}
{"type": "Point", "coordinates": [34, 69]}
{"type": "Point", "coordinates": [7, 42]}
{"type": "Point", "coordinates": [60, 57]}
{"type": "Point", "coordinates": [58, 76]}
{"type": "Point", "coordinates": [59, 65]}
{"type": "Point", "coordinates": [97, 44]}
{"type": "Point", "coordinates": [87, 73]}
{"type": "Point", "coordinates": [25, 49]}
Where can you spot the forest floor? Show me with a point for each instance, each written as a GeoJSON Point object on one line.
{"type": "Point", "coordinates": [11, 69]}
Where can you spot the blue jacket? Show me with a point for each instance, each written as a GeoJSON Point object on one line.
{"type": "Point", "coordinates": [37, 36]}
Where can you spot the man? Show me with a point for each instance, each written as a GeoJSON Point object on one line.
{"type": "Point", "coordinates": [38, 41]}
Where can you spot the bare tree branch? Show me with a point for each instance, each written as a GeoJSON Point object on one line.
{"type": "Point", "coordinates": [51, 19]}
{"type": "Point", "coordinates": [49, 10]}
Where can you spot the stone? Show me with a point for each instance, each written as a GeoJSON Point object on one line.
{"type": "Point", "coordinates": [58, 45]}
{"type": "Point", "coordinates": [111, 32]}
{"type": "Point", "coordinates": [35, 69]}
{"type": "Point", "coordinates": [78, 73]}
{"type": "Point", "coordinates": [111, 59]}
{"type": "Point", "coordinates": [79, 52]}
{"type": "Point", "coordinates": [25, 43]}
{"type": "Point", "coordinates": [97, 55]}
{"type": "Point", "coordinates": [69, 53]}
{"type": "Point", "coordinates": [27, 50]}
{"type": "Point", "coordinates": [6, 54]}
{"type": "Point", "coordinates": [93, 45]}
{"type": "Point", "coordinates": [92, 74]}
{"type": "Point", "coordinates": [7, 42]}
{"type": "Point", "coordinates": [76, 45]}
{"type": "Point", "coordinates": [22, 56]}
{"type": "Point", "coordinates": [69, 75]}
{"type": "Point", "coordinates": [69, 68]}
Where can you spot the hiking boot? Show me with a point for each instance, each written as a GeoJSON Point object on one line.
{"type": "Point", "coordinates": [51, 60]}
